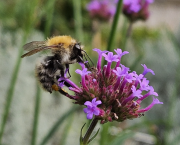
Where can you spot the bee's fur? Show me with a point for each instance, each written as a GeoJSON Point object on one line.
{"type": "Point", "coordinates": [45, 71]}
{"type": "Point", "coordinates": [65, 51]}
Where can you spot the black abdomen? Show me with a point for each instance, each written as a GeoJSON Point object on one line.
{"type": "Point", "coordinates": [45, 73]}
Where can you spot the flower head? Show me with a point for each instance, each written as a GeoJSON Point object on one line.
{"type": "Point", "coordinates": [136, 9]}
{"type": "Point", "coordinates": [102, 9]}
{"type": "Point", "coordinates": [119, 92]}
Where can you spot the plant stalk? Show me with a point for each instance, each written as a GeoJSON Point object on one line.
{"type": "Point", "coordinates": [89, 131]}
{"type": "Point", "coordinates": [114, 25]}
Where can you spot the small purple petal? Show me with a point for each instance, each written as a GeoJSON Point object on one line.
{"type": "Point", "coordinates": [98, 102]}
{"type": "Point", "coordinates": [78, 71]}
{"type": "Point", "coordinates": [121, 71]}
{"type": "Point", "coordinates": [110, 57]}
{"type": "Point", "coordinates": [96, 112]}
{"type": "Point", "coordinates": [92, 108]}
{"type": "Point", "coordinates": [87, 110]}
{"type": "Point", "coordinates": [90, 115]}
{"type": "Point", "coordinates": [88, 104]}
{"type": "Point", "coordinates": [82, 64]}
{"type": "Point", "coordinates": [82, 72]}
{"type": "Point", "coordinates": [94, 101]}
{"type": "Point", "coordinates": [144, 84]}
{"type": "Point", "coordinates": [120, 53]}
{"type": "Point", "coordinates": [155, 101]}
{"type": "Point", "coordinates": [136, 93]}
{"type": "Point", "coordinates": [130, 77]}
{"type": "Point", "coordinates": [151, 91]}
{"type": "Point", "coordinates": [146, 70]}
{"type": "Point", "coordinates": [99, 51]}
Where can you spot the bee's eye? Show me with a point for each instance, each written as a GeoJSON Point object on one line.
{"type": "Point", "coordinates": [77, 46]}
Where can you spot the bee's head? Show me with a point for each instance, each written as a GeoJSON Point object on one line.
{"type": "Point", "coordinates": [81, 54]}
{"type": "Point", "coordinates": [77, 50]}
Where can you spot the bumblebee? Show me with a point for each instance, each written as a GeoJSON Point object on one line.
{"type": "Point", "coordinates": [65, 50]}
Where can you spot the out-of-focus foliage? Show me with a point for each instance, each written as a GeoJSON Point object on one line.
{"type": "Point", "coordinates": [158, 48]}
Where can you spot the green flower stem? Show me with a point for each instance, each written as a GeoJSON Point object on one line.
{"type": "Point", "coordinates": [49, 16]}
{"type": "Point", "coordinates": [129, 30]}
{"type": "Point", "coordinates": [127, 34]}
{"type": "Point", "coordinates": [36, 115]}
{"type": "Point", "coordinates": [78, 19]}
{"type": "Point", "coordinates": [57, 124]}
{"type": "Point", "coordinates": [11, 88]}
{"type": "Point", "coordinates": [89, 131]}
{"type": "Point", "coordinates": [50, 10]}
{"type": "Point", "coordinates": [29, 21]}
{"type": "Point", "coordinates": [114, 25]}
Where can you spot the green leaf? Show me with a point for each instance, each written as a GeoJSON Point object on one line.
{"type": "Point", "coordinates": [81, 137]}
{"type": "Point", "coordinates": [93, 136]}
{"type": "Point", "coordinates": [104, 134]}
{"type": "Point", "coordinates": [66, 130]}
{"type": "Point", "coordinates": [120, 139]}
{"type": "Point", "coordinates": [58, 123]}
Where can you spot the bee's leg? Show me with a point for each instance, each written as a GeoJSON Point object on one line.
{"type": "Point", "coordinates": [55, 87]}
{"type": "Point", "coordinates": [62, 91]}
{"type": "Point", "coordinates": [67, 67]}
{"type": "Point", "coordinates": [61, 68]}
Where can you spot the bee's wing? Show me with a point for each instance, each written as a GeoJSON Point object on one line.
{"type": "Point", "coordinates": [34, 45]}
{"type": "Point", "coordinates": [34, 49]}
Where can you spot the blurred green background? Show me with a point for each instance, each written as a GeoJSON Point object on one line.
{"type": "Point", "coordinates": [37, 117]}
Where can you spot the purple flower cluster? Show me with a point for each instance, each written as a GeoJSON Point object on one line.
{"type": "Point", "coordinates": [102, 9]}
{"type": "Point", "coordinates": [136, 9]}
{"type": "Point", "coordinates": [118, 91]}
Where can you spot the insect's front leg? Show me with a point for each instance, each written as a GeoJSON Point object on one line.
{"type": "Point", "coordinates": [67, 68]}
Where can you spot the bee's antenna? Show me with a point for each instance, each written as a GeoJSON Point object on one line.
{"type": "Point", "coordinates": [88, 57]}
{"type": "Point", "coordinates": [88, 65]}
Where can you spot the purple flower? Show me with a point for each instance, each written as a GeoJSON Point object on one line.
{"type": "Point", "coordinates": [133, 5]}
{"type": "Point", "coordinates": [155, 101]}
{"type": "Point", "coordinates": [130, 77]}
{"type": "Point", "coordinates": [135, 93]}
{"type": "Point", "coordinates": [136, 9]}
{"type": "Point", "coordinates": [146, 70]}
{"type": "Point", "coordinates": [62, 80]}
{"type": "Point", "coordinates": [149, 1]}
{"type": "Point", "coordinates": [83, 73]}
{"type": "Point", "coordinates": [144, 84]}
{"type": "Point", "coordinates": [92, 108]}
{"type": "Point", "coordinates": [100, 52]}
{"type": "Point", "coordinates": [121, 92]}
{"type": "Point", "coordinates": [110, 58]}
{"type": "Point", "coordinates": [151, 92]}
{"type": "Point", "coordinates": [102, 9]}
{"type": "Point", "coordinates": [121, 71]}
{"type": "Point", "coordinates": [120, 54]}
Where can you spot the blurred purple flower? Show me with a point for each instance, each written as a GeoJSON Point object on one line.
{"type": "Point", "coordinates": [102, 9]}
{"type": "Point", "coordinates": [136, 9]}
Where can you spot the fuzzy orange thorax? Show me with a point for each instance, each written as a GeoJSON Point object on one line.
{"type": "Point", "coordinates": [65, 40]}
